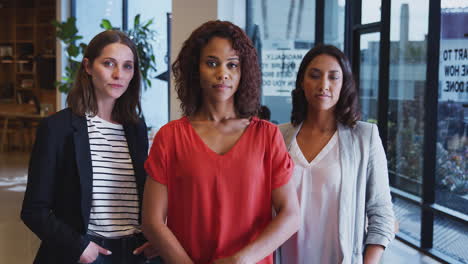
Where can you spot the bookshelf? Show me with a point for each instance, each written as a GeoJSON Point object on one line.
{"type": "Point", "coordinates": [27, 51]}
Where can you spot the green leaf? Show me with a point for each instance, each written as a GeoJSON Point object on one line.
{"type": "Point", "coordinates": [137, 20]}
{"type": "Point", "coordinates": [75, 38]}
{"type": "Point", "coordinates": [148, 23]}
{"type": "Point", "coordinates": [73, 51]}
{"type": "Point", "coordinates": [106, 24]}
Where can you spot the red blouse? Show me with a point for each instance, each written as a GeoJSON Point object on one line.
{"type": "Point", "coordinates": [217, 204]}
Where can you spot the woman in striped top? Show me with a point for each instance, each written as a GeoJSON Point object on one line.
{"type": "Point", "coordinates": [86, 175]}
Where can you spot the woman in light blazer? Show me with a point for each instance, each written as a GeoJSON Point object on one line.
{"type": "Point", "coordinates": [341, 173]}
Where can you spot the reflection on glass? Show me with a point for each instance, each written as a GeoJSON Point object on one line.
{"type": "Point", "coordinates": [408, 216]}
{"type": "Point", "coordinates": [369, 76]}
{"type": "Point", "coordinates": [370, 11]}
{"type": "Point", "coordinates": [154, 100]}
{"type": "Point", "coordinates": [282, 31]}
{"type": "Point", "coordinates": [406, 93]}
{"type": "Point", "coordinates": [452, 124]}
{"type": "Point", "coordinates": [334, 22]}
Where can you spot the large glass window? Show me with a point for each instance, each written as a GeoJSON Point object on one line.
{"type": "Point", "coordinates": [334, 23]}
{"type": "Point", "coordinates": [370, 11]}
{"type": "Point", "coordinates": [451, 238]}
{"type": "Point", "coordinates": [155, 99]}
{"type": "Point", "coordinates": [408, 61]}
{"type": "Point", "coordinates": [88, 19]}
{"type": "Point", "coordinates": [369, 75]}
{"type": "Point", "coordinates": [409, 218]}
{"type": "Point", "coordinates": [284, 32]}
{"type": "Point", "coordinates": [452, 138]}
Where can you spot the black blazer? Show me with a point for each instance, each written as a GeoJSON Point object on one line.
{"type": "Point", "coordinates": [57, 201]}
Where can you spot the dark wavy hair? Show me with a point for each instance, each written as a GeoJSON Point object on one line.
{"type": "Point", "coordinates": [187, 73]}
{"type": "Point", "coordinates": [82, 98]}
{"type": "Point", "coordinates": [346, 110]}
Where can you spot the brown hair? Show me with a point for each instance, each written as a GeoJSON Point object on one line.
{"type": "Point", "coordinates": [346, 110]}
{"type": "Point", "coordinates": [82, 98]}
{"type": "Point", "coordinates": [187, 74]}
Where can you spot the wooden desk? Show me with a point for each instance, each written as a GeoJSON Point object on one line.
{"type": "Point", "coordinates": [10, 115]}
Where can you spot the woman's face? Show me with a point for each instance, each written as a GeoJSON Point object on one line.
{"type": "Point", "coordinates": [323, 79]}
{"type": "Point", "coordinates": [220, 70]}
{"type": "Point", "coordinates": [111, 72]}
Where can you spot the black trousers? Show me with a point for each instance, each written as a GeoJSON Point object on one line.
{"type": "Point", "coordinates": [122, 250]}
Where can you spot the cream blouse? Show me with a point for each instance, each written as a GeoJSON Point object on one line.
{"type": "Point", "coordinates": [318, 186]}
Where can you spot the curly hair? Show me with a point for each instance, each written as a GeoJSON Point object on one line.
{"type": "Point", "coordinates": [187, 73]}
{"type": "Point", "coordinates": [82, 97]}
{"type": "Point", "coordinates": [346, 110]}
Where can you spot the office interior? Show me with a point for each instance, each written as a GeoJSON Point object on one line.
{"type": "Point", "coordinates": [409, 58]}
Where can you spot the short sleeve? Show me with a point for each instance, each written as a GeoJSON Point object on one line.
{"type": "Point", "coordinates": [282, 165]}
{"type": "Point", "coordinates": [156, 164]}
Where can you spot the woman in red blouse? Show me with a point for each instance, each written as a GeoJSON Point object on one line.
{"type": "Point", "coordinates": [217, 172]}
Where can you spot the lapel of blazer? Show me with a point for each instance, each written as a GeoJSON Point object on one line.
{"type": "Point", "coordinates": [346, 199]}
{"type": "Point", "coordinates": [131, 136]}
{"type": "Point", "coordinates": [83, 164]}
{"type": "Point", "coordinates": [290, 132]}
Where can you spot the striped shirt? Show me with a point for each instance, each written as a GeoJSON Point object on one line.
{"type": "Point", "coordinates": [115, 208]}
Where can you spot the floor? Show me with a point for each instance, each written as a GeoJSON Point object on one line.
{"type": "Point", "coordinates": [19, 245]}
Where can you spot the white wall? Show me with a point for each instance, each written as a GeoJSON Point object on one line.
{"type": "Point", "coordinates": [187, 15]}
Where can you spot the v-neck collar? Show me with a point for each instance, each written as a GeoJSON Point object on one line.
{"type": "Point", "coordinates": [323, 152]}
{"type": "Point", "coordinates": [208, 149]}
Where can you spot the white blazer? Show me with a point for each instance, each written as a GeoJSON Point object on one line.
{"type": "Point", "coordinates": [365, 207]}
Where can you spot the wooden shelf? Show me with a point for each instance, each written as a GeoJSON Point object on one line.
{"type": "Point", "coordinates": [45, 25]}
{"type": "Point", "coordinates": [27, 88]}
{"type": "Point", "coordinates": [25, 27]}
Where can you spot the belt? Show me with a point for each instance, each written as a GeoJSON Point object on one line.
{"type": "Point", "coordinates": [117, 243]}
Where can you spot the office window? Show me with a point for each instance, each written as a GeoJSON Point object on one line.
{"type": "Point", "coordinates": [451, 238]}
{"type": "Point", "coordinates": [155, 99]}
{"type": "Point", "coordinates": [408, 64]}
{"type": "Point", "coordinates": [88, 19]}
{"type": "Point", "coordinates": [334, 23]}
{"type": "Point", "coordinates": [370, 11]}
{"type": "Point", "coordinates": [408, 216]}
{"type": "Point", "coordinates": [283, 31]}
{"type": "Point", "coordinates": [452, 136]}
{"type": "Point", "coordinates": [369, 75]}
